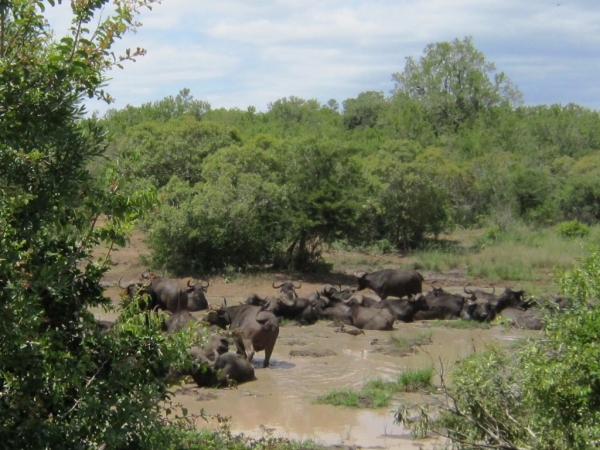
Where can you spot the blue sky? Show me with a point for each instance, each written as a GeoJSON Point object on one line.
{"type": "Point", "coordinates": [237, 53]}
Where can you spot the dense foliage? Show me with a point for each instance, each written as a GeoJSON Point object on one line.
{"type": "Point", "coordinates": [451, 145]}
{"type": "Point", "coordinates": [542, 395]}
{"type": "Point", "coordinates": [63, 383]}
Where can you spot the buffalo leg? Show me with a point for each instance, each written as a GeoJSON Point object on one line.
{"type": "Point", "coordinates": [268, 350]}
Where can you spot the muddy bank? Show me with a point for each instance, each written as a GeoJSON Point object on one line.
{"type": "Point", "coordinates": [311, 360]}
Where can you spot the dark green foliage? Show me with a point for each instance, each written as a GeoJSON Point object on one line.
{"type": "Point", "coordinates": [255, 207]}
{"type": "Point", "coordinates": [155, 151]}
{"type": "Point", "coordinates": [64, 383]}
{"type": "Point", "coordinates": [579, 198]}
{"type": "Point", "coordinates": [118, 121]}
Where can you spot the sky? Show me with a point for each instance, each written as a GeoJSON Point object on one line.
{"type": "Point", "coordinates": [241, 53]}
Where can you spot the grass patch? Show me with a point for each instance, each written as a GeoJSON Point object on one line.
{"type": "Point", "coordinates": [459, 324]}
{"type": "Point", "coordinates": [516, 254]}
{"type": "Point", "coordinates": [378, 393]}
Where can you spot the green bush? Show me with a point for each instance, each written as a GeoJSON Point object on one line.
{"type": "Point", "coordinates": [572, 229]}
{"type": "Point", "coordinates": [542, 394]}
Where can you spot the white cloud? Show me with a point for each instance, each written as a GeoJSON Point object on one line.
{"type": "Point", "coordinates": [244, 52]}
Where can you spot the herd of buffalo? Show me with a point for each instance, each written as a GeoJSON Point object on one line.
{"type": "Point", "coordinates": [254, 325]}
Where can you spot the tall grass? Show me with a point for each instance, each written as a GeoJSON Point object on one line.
{"type": "Point", "coordinates": [378, 393]}
{"type": "Point", "coordinates": [517, 254]}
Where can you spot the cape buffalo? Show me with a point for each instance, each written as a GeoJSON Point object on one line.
{"type": "Point", "coordinates": [178, 321]}
{"type": "Point", "coordinates": [224, 369]}
{"type": "Point", "coordinates": [366, 318]}
{"type": "Point", "coordinates": [530, 319]}
{"type": "Point", "coordinates": [502, 301]}
{"type": "Point", "coordinates": [260, 328]}
{"type": "Point", "coordinates": [287, 289]}
{"type": "Point", "coordinates": [441, 305]}
{"type": "Point", "coordinates": [403, 309]}
{"type": "Point", "coordinates": [197, 296]}
{"type": "Point", "coordinates": [164, 293]}
{"type": "Point", "coordinates": [392, 283]}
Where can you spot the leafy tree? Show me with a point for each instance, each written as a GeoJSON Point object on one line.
{"type": "Point", "coordinates": [455, 82]}
{"type": "Point", "coordinates": [322, 186]}
{"type": "Point", "coordinates": [65, 384]}
{"type": "Point", "coordinates": [155, 151]}
{"type": "Point", "coordinates": [163, 110]}
{"type": "Point", "coordinates": [232, 219]}
{"type": "Point", "coordinates": [363, 111]}
{"type": "Point", "coordinates": [407, 200]}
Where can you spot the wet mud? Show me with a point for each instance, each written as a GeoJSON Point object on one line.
{"type": "Point", "coordinates": [311, 360]}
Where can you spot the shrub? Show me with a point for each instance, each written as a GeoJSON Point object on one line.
{"type": "Point", "coordinates": [572, 229]}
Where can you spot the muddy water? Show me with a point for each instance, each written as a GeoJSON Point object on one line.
{"type": "Point", "coordinates": [281, 399]}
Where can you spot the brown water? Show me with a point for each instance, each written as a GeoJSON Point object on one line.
{"type": "Point", "coordinates": [281, 399]}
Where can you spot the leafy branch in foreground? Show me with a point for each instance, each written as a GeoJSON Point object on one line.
{"type": "Point", "coordinates": [63, 383]}
{"type": "Point", "coordinates": [542, 395]}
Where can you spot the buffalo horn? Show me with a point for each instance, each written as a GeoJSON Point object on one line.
{"type": "Point", "coordinates": [122, 287]}
{"type": "Point", "coordinates": [277, 287]}
{"type": "Point", "coordinates": [297, 287]}
{"type": "Point", "coordinates": [466, 290]}
{"type": "Point", "coordinates": [494, 289]}
{"type": "Point", "coordinates": [191, 285]}
{"type": "Point", "coordinates": [207, 284]}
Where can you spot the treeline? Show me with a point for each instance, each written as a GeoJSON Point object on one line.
{"type": "Point", "coordinates": [450, 145]}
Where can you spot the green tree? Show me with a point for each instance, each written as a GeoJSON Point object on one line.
{"type": "Point", "coordinates": [455, 82]}
{"type": "Point", "coordinates": [65, 384]}
{"type": "Point", "coordinates": [408, 199]}
{"type": "Point", "coordinates": [323, 190]}
{"type": "Point", "coordinates": [364, 110]}
{"type": "Point", "coordinates": [231, 219]}
{"type": "Point", "coordinates": [163, 110]}
{"type": "Point", "coordinates": [155, 151]}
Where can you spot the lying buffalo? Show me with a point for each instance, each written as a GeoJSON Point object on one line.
{"type": "Point", "coordinates": [530, 319]}
{"type": "Point", "coordinates": [298, 308]}
{"type": "Point", "coordinates": [221, 368]}
{"type": "Point", "coordinates": [260, 328]}
{"type": "Point", "coordinates": [508, 298]}
{"type": "Point", "coordinates": [442, 305]}
{"type": "Point", "coordinates": [197, 296]}
{"type": "Point", "coordinates": [366, 318]}
{"type": "Point", "coordinates": [178, 321]}
{"type": "Point", "coordinates": [392, 283]}
{"type": "Point", "coordinates": [403, 310]}
{"type": "Point", "coordinates": [287, 289]}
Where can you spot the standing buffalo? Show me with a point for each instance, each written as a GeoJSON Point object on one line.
{"type": "Point", "coordinates": [260, 328]}
{"type": "Point", "coordinates": [164, 293]}
{"type": "Point", "coordinates": [392, 283]}
{"type": "Point", "coordinates": [197, 296]}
